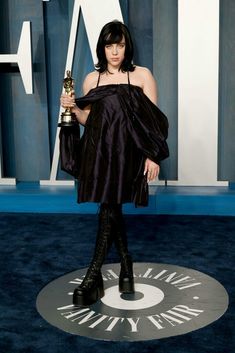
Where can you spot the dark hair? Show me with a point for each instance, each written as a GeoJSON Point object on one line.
{"type": "Point", "coordinates": [113, 32]}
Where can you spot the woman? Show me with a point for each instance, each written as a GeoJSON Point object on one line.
{"type": "Point", "coordinates": [123, 142]}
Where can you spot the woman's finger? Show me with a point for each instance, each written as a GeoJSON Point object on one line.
{"type": "Point", "coordinates": [152, 174]}
{"type": "Point", "coordinates": [67, 100]}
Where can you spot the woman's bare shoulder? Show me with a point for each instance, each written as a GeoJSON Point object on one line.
{"type": "Point", "coordinates": [90, 81]}
{"type": "Point", "coordinates": [141, 76]}
{"type": "Point", "coordinates": [144, 78]}
{"type": "Point", "coordinates": [143, 72]}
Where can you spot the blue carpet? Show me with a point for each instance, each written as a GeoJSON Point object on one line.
{"type": "Point", "coordinates": [37, 248]}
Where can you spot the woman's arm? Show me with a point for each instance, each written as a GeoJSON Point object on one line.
{"type": "Point", "coordinates": [150, 90]}
{"type": "Point", "coordinates": [68, 101]}
{"type": "Point", "coordinates": [149, 85]}
{"type": "Point", "coordinates": [81, 114]}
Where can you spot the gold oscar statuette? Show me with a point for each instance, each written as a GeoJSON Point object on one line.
{"type": "Point", "coordinates": [68, 118]}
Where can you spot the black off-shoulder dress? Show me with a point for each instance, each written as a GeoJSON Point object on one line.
{"type": "Point", "coordinates": [123, 129]}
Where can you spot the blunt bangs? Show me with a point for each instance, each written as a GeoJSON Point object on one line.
{"type": "Point", "coordinates": [113, 38]}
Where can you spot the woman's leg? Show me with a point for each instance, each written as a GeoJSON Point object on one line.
{"type": "Point", "coordinates": [126, 279]}
{"type": "Point", "coordinates": [91, 289]}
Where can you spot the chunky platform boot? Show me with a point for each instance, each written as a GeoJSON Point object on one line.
{"type": "Point", "coordinates": [126, 278]}
{"type": "Point", "coordinates": [92, 289]}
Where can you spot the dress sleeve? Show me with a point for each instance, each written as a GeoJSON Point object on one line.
{"type": "Point", "coordinates": [70, 149]}
{"type": "Point", "coordinates": [148, 126]}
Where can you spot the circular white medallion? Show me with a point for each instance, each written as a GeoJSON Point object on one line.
{"type": "Point", "coordinates": [151, 297]}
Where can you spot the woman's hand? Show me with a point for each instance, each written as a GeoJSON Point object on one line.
{"type": "Point", "coordinates": [68, 100]}
{"type": "Point", "coordinates": [152, 169]}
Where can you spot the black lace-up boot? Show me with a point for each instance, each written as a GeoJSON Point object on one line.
{"type": "Point", "coordinates": [91, 289]}
{"type": "Point", "coordinates": [126, 279]}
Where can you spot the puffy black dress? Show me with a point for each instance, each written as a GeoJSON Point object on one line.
{"type": "Point", "coordinates": [123, 128]}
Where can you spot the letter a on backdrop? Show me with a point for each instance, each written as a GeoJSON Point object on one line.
{"type": "Point", "coordinates": [95, 14]}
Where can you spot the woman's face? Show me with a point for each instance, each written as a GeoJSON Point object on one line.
{"type": "Point", "coordinates": [115, 53]}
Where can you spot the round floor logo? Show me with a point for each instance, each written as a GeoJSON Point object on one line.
{"type": "Point", "coordinates": [168, 301]}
